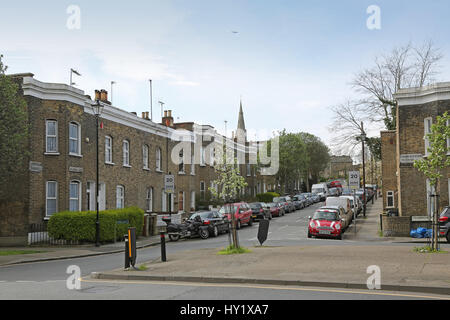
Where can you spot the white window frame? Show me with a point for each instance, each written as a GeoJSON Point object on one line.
{"type": "Point", "coordinates": [78, 139]}
{"type": "Point", "coordinates": [78, 200]}
{"type": "Point", "coordinates": [192, 165]}
{"type": "Point", "coordinates": [47, 136]}
{"type": "Point", "coordinates": [109, 150]}
{"type": "Point", "coordinates": [390, 194]}
{"type": "Point", "coordinates": [202, 190]}
{"type": "Point", "coordinates": [428, 122]}
{"type": "Point", "coordinates": [249, 170]}
{"type": "Point", "coordinates": [192, 201]}
{"type": "Point", "coordinates": [202, 156]}
{"type": "Point", "coordinates": [47, 198]}
{"type": "Point", "coordinates": [145, 150]}
{"type": "Point", "coordinates": [126, 153]}
{"type": "Point", "coordinates": [158, 159]}
{"type": "Point", "coordinates": [120, 197]}
{"type": "Point", "coordinates": [149, 199]}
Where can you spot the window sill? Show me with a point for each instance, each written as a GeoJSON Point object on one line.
{"type": "Point", "coordinates": [126, 166]}
{"type": "Point", "coordinates": [159, 171]}
{"type": "Point", "coordinates": [75, 155]}
{"type": "Point", "coordinates": [110, 163]}
{"type": "Point", "coordinates": [146, 169]}
{"type": "Point", "coordinates": [182, 173]}
{"type": "Point", "coordinates": [52, 154]}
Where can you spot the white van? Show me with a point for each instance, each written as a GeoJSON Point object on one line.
{"type": "Point", "coordinates": [320, 189]}
{"type": "Point", "coordinates": [336, 201]}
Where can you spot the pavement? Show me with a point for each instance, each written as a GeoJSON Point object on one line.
{"type": "Point", "coordinates": [70, 252]}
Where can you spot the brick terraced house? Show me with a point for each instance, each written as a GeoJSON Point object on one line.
{"type": "Point", "coordinates": [404, 187]}
{"type": "Point", "coordinates": [134, 155]}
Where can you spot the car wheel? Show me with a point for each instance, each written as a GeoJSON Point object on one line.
{"type": "Point", "coordinates": [309, 235]}
{"type": "Point", "coordinates": [238, 224]}
{"type": "Point", "coordinates": [215, 231]}
{"type": "Point", "coordinates": [448, 237]}
{"type": "Point", "coordinates": [173, 237]}
{"type": "Point", "coordinates": [250, 222]}
{"type": "Point", "coordinates": [339, 237]}
{"type": "Point", "coordinates": [270, 216]}
{"type": "Point", "coordinates": [204, 233]}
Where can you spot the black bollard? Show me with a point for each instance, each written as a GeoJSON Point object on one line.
{"type": "Point", "coordinates": [127, 253]}
{"type": "Point", "coordinates": [163, 247]}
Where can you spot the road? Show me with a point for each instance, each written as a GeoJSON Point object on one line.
{"type": "Point", "coordinates": [47, 280]}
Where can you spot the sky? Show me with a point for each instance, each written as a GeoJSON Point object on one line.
{"type": "Point", "coordinates": [289, 61]}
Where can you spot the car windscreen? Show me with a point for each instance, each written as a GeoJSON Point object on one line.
{"type": "Point", "coordinates": [279, 199]}
{"type": "Point", "coordinates": [255, 205]}
{"type": "Point", "coordinates": [228, 209]}
{"type": "Point", "coordinates": [318, 190]}
{"type": "Point", "coordinates": [326, 215]}
{"type": "Point", "coordinates": [203, 215]}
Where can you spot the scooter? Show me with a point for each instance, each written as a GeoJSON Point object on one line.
{"type": "Point", "coordinates": [188, 229]}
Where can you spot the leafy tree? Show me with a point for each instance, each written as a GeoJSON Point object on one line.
{"type": "Point", "coordinates": [293, 160]}
{"type": "Point", "coordinates": [14, 133]}
{"type": "Point", "coordinates": [318, 155]}
{"type": "Point", "coordinates": [436, 160]}
{"type": "Point", "coordinates": [229, 184]}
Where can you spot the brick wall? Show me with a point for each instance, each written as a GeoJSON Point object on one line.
{"type": "Point", "coordinates": [389, 166]}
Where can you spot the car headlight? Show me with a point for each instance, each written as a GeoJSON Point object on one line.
{"type": "Point", "coordinates": [338, 227]}
{"type": "Point", "coordinates": [312, 224]}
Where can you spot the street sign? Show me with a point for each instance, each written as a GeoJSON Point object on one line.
{"type": "Point", "coordinates": [169, 183]}
{"type": "Point", "coordinates": [354, 179]}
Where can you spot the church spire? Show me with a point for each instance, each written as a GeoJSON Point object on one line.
{"type": "Point", "coordinates": [241, 122]}
{"type": "Point", "coordinates": [241, 133]}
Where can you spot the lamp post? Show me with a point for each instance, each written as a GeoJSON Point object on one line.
{"type": "Point", "coordinates": [98, 107]}
{"type": "Point", "coordinates": [363, 137]}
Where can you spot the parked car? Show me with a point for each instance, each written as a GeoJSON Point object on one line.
{"type": "Point", "coordinates": [274, 209]}
{"type": "Point", "coordinates": [334, 192]}
{"type": "Point", "coordinates": [242, 213]}
{"type": "Point", "coordinates": [281, 206]}
{"type": "Point", "coordinates": [260, 211]}
{"type": "Point", "coordinates": [347, 192]}
{"type": "Point", "coordinates": [345, 221]}
{"type": "Point", "coordinates": [444, 224]}
{"type": "Point", "coordinates": [309, 200]}
{"type": "Point", "coordinates": [288, 205]}
{"type": "Point", "coordinates": [326, 222]}
{"type": "Point", "coordinates": [213, 220]}
{"type": "Point", "coordinates": [316, 198]}
{"type": "Point", "coordinates": [320, 189]}
{"type": "Point", "coordinates": [354, 204]}
{"type": "Point", "coordinates": [298, 203]}
{"type": "Point", "coordinates": [302, 200]}
{"type": "Point", "coordinates": [339, 201]}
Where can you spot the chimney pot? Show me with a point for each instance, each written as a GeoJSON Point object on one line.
{"type": "Point", "coordinates": [143, 115]}
{"type": "Point", "coordinates": [97, 95]}
{"type": "Point", "coordinates": [165, 113]}
{"type": "Point", "coordinates": [170, 113]}
{"type": "Point", "coordinates": [104, 95]}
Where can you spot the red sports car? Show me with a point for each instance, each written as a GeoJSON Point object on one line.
{"type": "Point", "coordinates": [325, 223]}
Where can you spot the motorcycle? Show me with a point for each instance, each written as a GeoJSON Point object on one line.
{"type": "Point", "coordinates": [187, 229]}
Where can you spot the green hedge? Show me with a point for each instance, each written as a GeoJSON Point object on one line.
{"type": "Point", "coordinates": [267, 197]}
{"type": "Point", "coordinates": [80, 226]}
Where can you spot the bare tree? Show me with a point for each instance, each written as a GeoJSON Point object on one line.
{"type": "Point", "coordinates": [404, 67]}
{"type": "Point", "coordinates": [346, 126]}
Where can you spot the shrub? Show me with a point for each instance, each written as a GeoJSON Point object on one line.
{"type": "Point", "coordinates": [80, 226]}
{"type": "Point", "coordinates": [267, 197]}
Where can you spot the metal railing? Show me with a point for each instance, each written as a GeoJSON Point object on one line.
{"type": "Point", "coordinates": [38, 236]}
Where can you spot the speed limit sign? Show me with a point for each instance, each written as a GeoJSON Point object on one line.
{"type": "Point", "coordinates": [169, 183]}
{"type": "Point", "coordinates": [353, 179]}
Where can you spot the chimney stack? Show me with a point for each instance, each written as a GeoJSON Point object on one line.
{"type": "Point", "coordinates": [167, 120]}
{"type": "Point", "coordinates": [102, 95]}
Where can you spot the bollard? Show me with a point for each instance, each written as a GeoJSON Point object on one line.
{"type": "Point", "coordinates": [163, 247]}
{"type": "Point", "coordinates": [127, 254]}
